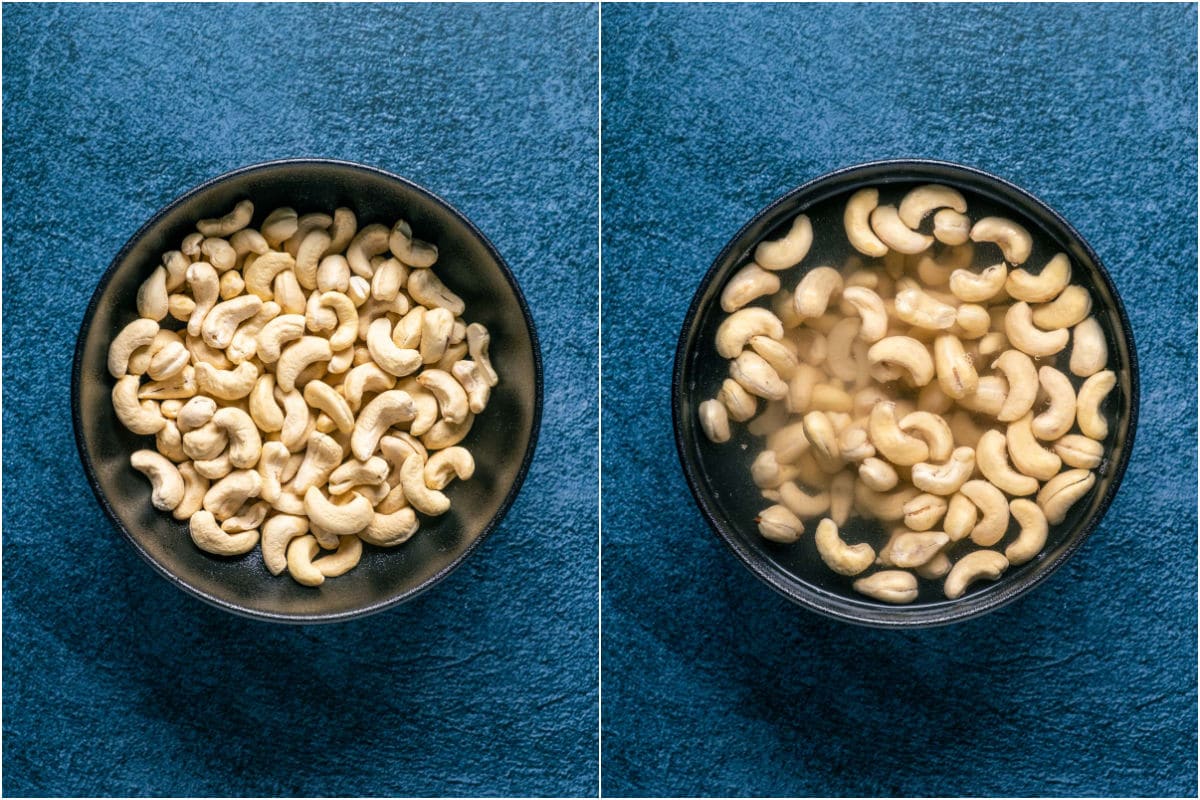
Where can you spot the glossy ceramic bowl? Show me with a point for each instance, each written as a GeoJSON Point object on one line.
{"type": "Point", "coordinates": [719, 475]}
{"type": "Point", "coordinates": [502, 439]}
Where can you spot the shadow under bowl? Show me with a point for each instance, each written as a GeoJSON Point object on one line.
{"type": "Point", "coordinates": [502, 438]}
{"type": "Point", "coordinates": [719, 475]}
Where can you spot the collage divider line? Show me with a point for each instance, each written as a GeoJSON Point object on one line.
{"type": "Point", "coordinates": [599, 399]}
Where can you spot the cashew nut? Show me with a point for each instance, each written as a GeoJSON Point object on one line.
{"type": "Point", "coordinates": [714, 420]}
{"type": "Point", "coordinates": [1070, 308]}
{"type": "Point", "coordinates": [1092, 393]}
{"type": "Point", "coordinates": [398, 361]}
{"type": "Point", "coordinates": [422, 497]}
{"type": "Point", "coordinates": [1058, 418]}
{"type": "Point", "coordinates": [815, 291]}
{"type": "Point", "coordinates": [141, 417]}
{"type": "Point", "coordinates": [869, 307]}
{"type": "Point", "coordinates": [955, 372]}
{"type": "Point", "coordinates": [1043, 287]}
{"type": "Point", "coordinates": [778, 524]}
{"type": "Point", "coordinates": [1062, 491]}
{"type": "Point", "coordinates": [757, 377]}
{"type": "Point", "coordinates": [1079, 451]}
{"type": "Point", "coordinates": [837, 555]}
{"type": "Point", "coordinates": [1034, 528]}
{"type": "Point", "coordinates": [300, 553]}
{"type": "Point", "coordinates": [979, 565]}
{"type": "Point", "coordinates": [951, 227]}
{"type": "Point", "coordinates": [989, 396]}
{"type": "Point", "coordinates": [748, 284]}
{"type": "Point", "coordinates": [209, 536]}
{"type": "Point", "coordinates": [1027, 453]}
{"type": "Point", "coordinates": [476, 386]}
{"type": "Point", "coordinates": [946, 478]}
{"type": "Point", "coordinates": [277, 533]}
{"type": "Point", "coordinates": [229, 224]}
{"type": "Point", "coordinates": [226, 384]}
{"type": "Point", "coordinates": [299, 355]}
{"type": "Point", "coordinates": [890, 586]}
{"type": "Point", "coordinates": [343, 516]}
{"type": "Point", "coordinates": [1022, 379]}
{"type": "Point", "coordinates": [137, 334]}
{"type": "Point", "coordinates": [446, 465]}
{"type": "Point", "coordinates": [878, 475]}
{"type": "Point", "coordinates": [960, 517]}
{"type": "Point", "coordinates": [992, 459]}
{"type": "Point", "coordinates": [919, 308]}
{"type": "Point", "coordinates": [906, 353]}
{"type": "Point", "coordinates": [891, 230]}
{"type": "Point", "coordinates": [790, 250]}
{"type": "Point", "coordinates": [893, 443]}
{"type": "Point", "coordinates": [245, 443]}
{"type": "Point", "coordinates": [227, 495]}
{"type": "Point", "coordinates": [993, 509]}
{"type": "Point", "coordinates": [167, 483]}
{"type": "Point", "coordinates": [376, 417]}
{"type": "Point", "coordinates": [1019, 327]}
{"type": "Point", "coordinates": [1013, 240]}
{"type": "Point", "coordinates": [857, 223]}
{"type": "Point", "coordinates": [429, 291]}
{"type": "Point", "coordinates": [195, 487]}
{"type": "Point", "coordinates": [971, 287]}
{"type": "Point", "coordinates": [924, 511]}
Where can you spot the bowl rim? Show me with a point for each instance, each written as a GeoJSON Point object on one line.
{"type": "Point", "coordinates": [163, 569]}
{"type": "Point", "coordinates": [969, 606]}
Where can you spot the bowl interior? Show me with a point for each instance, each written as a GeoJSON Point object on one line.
{"type": "Point", "coordinates": [501, 440]}
{"type": "Point", "coordinates": [719, 474]}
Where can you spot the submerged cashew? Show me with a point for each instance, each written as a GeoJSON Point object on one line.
{"type": "Point", "coordinates": [960, 517]}
{"type": "Point", "coordinates": [870, 309]}
{"type": "Point", "coordinates": [979, 565]}
{"type": "Point", "coordinates": [951, 227]}
{"type": "Point", "coordinates": [1019, 327]}
{"type": "Point", "coordinates": [1058, 418]}
{"type": "Point", "coordinates": [924, 511]}
{"type": "Point", "coordinates": [992, 459]}
{"type": "Point", "coordinates": [1013, 240]}
{"type": "Point", "coordinates": [788, 251]}
{"type": "Point", "coordinates": [1063, 491]}
{"type": "Point", "coordinates": [878, 475]}
{"type": "Point", "coordinates": [737, 329]}
{"type": "Point", "coordinates": [993, 509]}
{"type": "Point", "coordinates": [923, 200]}
{"type": "Point", "coordinates": [840, 557]}
{"type": "Point", "coordinates": [756, 376]}
{"type": "Point", "coordinates": [906, 353]}
{"type": "Point", "coordinates": [919, 308]}
{"type": "Point", "coordinates": [1034, 528]}
{"type": "Point", "coordinates": [890, 586]}
{"type": "Point", "coordinates": [1027, 453]}
{"type": "Point", "coordinates": [891, 230]}
{"type": "Point", "coordinates": [933, 430]}
{"type": "Point", "coordinates": [912, 548]}
{"type": "Point", "coordinates": [955, 372]}
{"type": "Point", "coordinates": [1070, 308]}
{"type": "Point", "coordinates": [972, 287]}
{"type": "Point", "coordinates": [815, 291]}
{"type": "Point", "coordinates": [1092, 422]}
{"type": "Point", "coordinates": [946, 478]}
{"type": "Point", "coordinates": [714, 420]}
{"type": "Point", "coordinates": [1043, 287]}
{"type": "Point", "coordinates": [1022, 379]}
{"type": "Point", "coordinates": [779, 524]}
{"type": "Point", "coordinates": [167, 483]}
{"type": "Point", "coordinates": [819, 431]}
{"type": "Point", "coordinates": [1079, 451]}
{"type": "Point", "coordinates": [1089, 350]}
{"type": "Point", "coordinates": [856, 219]}
{"type": "Point", "coordinates": [748, 284]}
{"type": "Point", "coordinates": [893, 443]}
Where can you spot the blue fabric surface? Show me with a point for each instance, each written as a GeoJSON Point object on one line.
{"type": "Point", "coordinates": [713, 684]}
{"type": "Point", "coordinates": [117, 683]}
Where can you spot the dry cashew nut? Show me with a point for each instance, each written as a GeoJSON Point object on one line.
{"type": "Point", "coordinates": [333, 275]}
{"type": "Point", "coordinates": [223, 320]}
{"type": "Point", "coordinates": [1034, 528]}
{"type": "Point", "coordinates": [955, 372]}
{"type": "Point", "coordinates": [1068, 309]}
{"type": "Point", "coordinates": [152, 298]}
{"type": "Point", "coordinates": [219, 253]}
{"type": "Point", "coordinates": [322, 454]}
{"type": "Point", "coordinates": [139, 416]}
{"type": "Point", "coordinates": [389, 278]}
{"type": "Point", "coordinates": [228, 494]}
{"type": "Point", "coordinates": [225, 384]}
{"type": "Point", "coordinates": [429, 291]}
{"type": "Point", "coordinates": [890, 586]}
{"type": "Point", "coordinates": [137, 334]}
{"type": "Point", "coordinates": [893, 443]}
{"type": "Point", "coordinates": [1079, 451]}
{"type": "Point", "coordinates": [1022, 379]}
{"type": "Point", "coordinates": [367, 242]}
{"type": "Point", "coordinates": [195, 486]}
{"type": "Point", "coordinates": [951, 227]}
{"type": "Point", "coordinates": [992, 457]}
{"type": "Point", "coordinates": [276, 333]}
{"type": "Point", "coordinates": [788, 251]}
{"type": "Point", "coordinates": [446, 465]}
{"type": "Point", "coordinates": [1043, 287]}
{"type": "Point", "coordinates": [247, 241]}
{"type": "Point", "coordinates": [1012, 239]}
{"type": "Point", "coordinates": [346, 558]}
{"type": "Point", "coordinates": [971, 287]}
{"type": "Point", "coordinates": [265, 412]}
{"type": "Point", "coordinates": [1089, 350]}
{"type": "Point", "coordinates": [297, 420]}
{"type": "Point", "coordinates": [878, 475]}
{"type": "Point", "coordinates": [426, 405]}
{"type": "Point", "coordinates": [398, 361]}
{"type": "Point", "coordinates": [420, 496]}
{"type": "Point", "coordinates": [346, 330]}
{"type": "Point", "coordinates": [209, 536]}
{"type": "Point", "coordinates": [1027, 453]}
{"type": "Point", "coordinates": [387, 409]}
{"type": "Point", "coordinates": [478, 342]}
{"type": "Point", "coordinates": [1087, 406]}
{"type": "Point", "coordinates": [245, 443]}
{"type": "Point", "coordinates": [870, 309]}
{"type": "Point", "coordinates": [412, 252]}
{"type": "Point", "coordinates": [308, 256]}
{"type": "Point", "coordinates": [450, 395]}
{"type": "Point", "coordinates": [906, 353]}
{"type": "Point", "coordinates": [1058, 418]}
{"type": "Point", "coordinates": [993, 510]}
{"type": "Point", "coordinates": [1062, 491]}
{"type": "Point", "coordinates": [277, 533]}
{"type": "Point", "coordinates": [231, 223]}
{"type": "Point", "coordinates": [365, 378]}
{"type": "Point", "coordinates": [324, 397]}
{"type": "Point", "coordinates": [979, 565]}
{"type": "Point", "coordinates": [167, 483]}
{"type": "Point", "coordinates": [891, 230]}
{"type": "Point", "coordinates": [924, 511]}
{"type": "Point", "coordinates": [840, 557]}
{"type": "Point", "coordinates": [206, 289]}
{"type": "Point", "coordinates": [300, 554]}
{"type": "Point", "coordinates": [245, 340]}
{"type": "Point", "coordinates": [923, 200]}
{"type": "Point", "coordinates": [471, 377]}
{"type": "Point", "coordinates": [919, 308]}
{"type": "Point", "coordinates": [748, 284]}
{"type": "Point", "coordinates": [248, 518]}
{"type": "Point", "coordinates": [339, 519]}
{"type": "Point", "coordinates": [948, 478]}
{"type": "Point", "coordinates": [261, 276]}
{"type": "Point", "coordinates": [714, 420]}
{"type": "Point", "coordinates": [815, 291]}
{"type": "Point", "coordinates": [195, 412]}
{"type": "Point", "coordinates": [856, 219]}
{"type": "Point", "coordinates": [778, 524]}
{"type": "Point", "coordinates": [299, 355]}
{"type": "Point", "coordinates": [757, 377]}
{"type": "Point", "coordinates": [1019, 327]}
{"type": "Point", "coordinates": [389, 530]}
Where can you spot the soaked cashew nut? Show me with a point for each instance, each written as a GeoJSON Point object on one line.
{"type": "Point", "coordinates": [893, 443]}
{"type": "Point", "coordinates": [906, 353]}
{"type": "Point", "coordinates": [1062, 491]}
{"type": "Point", "coordinates": [788, 251]}
{"type": "Point", "coordinates": [1092, 422]}
{"type": "Point", "coordinates": [948, 478]}
{"type": "Point", "coordinates": [819, 431]}
{"type": "Point", "coordinates": [1043, 287]}
{"type": "Point", "coordinates": [800, 502]}
{"type": "Point", "coordinates": [951, 227]}
{"type": "Point", "coordinates": [1027, 453]}
{"type": "Point", "coordinates": [972, 287]}
{"type": "Point", "coordinates": [972, 321]}
{"type": "Point", "coordinates": [1079, 451]}
{"type": "Point", "coordinates": [923, 200]}
{"type": "Point", "coordinates": [167, 483]}
{"type": "Point", "coordinates": [878, 475]}
{"type": "Point", "coordinates": [1012, 239]}
{"type": "Point", "coordinates": [956, 373]}
{"type": "Point", "coordinates": [919, 308]}
{"type": "Point", "coordinates": [992, 458]}
{"type": "Point", "coordinates": [1089, 350]}
{"type": "Point", "coordinates": [891, 230]}
{"type": "Point", "coordinates": [840, 557]}
{"type": "Point", "coordinates": [756, 376]}
{"type": "Point", "coordinates": [1057, 419]}
{"type": "Point", "coordinates": [1019, 327]}
{"type": "Point", "coordinates": [815, 291]}
{"type": "Point", "coordinates": [778, 524]}
{"type": "Point", "coordinates": [1034, 528]}
{"type": "Point", "coordinates": [714, 420]}
{"type": "Point", "coordinates": [747, 285]}
{"type": "Point", "coordinates": [886, 506]}
{"type": "Point", "coordinates": [870, 309]}
{"type": "Point", "coordinates": [933, 430]}
{"type": "Point", "coordinates": [979, 565]}
{"type": "Point", "coordinates": [856, 219]}
{"type": "Point", "coordinates": [208, 536]}
{"type": "Point", "coordinates": [1022, 379]}
{"type": "Point", "coordinates": [854, 443]}
{"type": "Point", "coordinates": [960, 518]}
{"type": "Point", "coordinates": [924, 511]}
{"type": "Point", "coordinates": [912, 548]}
{"type": "Point", "coordinates": [993, 510]}
{"type": "Point", "coordinates": [1068, 309]}
{"type": "Point", "coordinates": [890, 586]}
{"type": "Point", "coordinates": [231, 223]}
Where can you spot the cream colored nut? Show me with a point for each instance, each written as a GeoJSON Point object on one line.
{"type": "Point", "coordinates": [714, 421]}
{"type": "Point", "coordinates": [195, 413]}
{"type": "Point", "coordinates": [228, 494]}
{"type": "Point", "coordinates": [989, 396]}
{"type": "Point", "coordinates": [783, 306]}
{"type": "Point", "coordinates": [214, 468]}
{"type": "Point", "coordinates": [905, 353]}
{"type": "Point", "coordinates": [992, 343]}
{"type": "Point", "coordinates": [955, 372]}
{"type": "Point", "coordinates": [322, 454]}
{"type": "Point", "coordinates": [747, 285]}
{"type": "Point", "coordinates": [140, 417]}
{"type": "Point", "coordinates": [870, 309]}
{"type": "Point", "coordinates": [165, 480]}
{"type": "Point", "coordinates": [245, 339]}
{"type": "Point", "coordinates": [1070, 308]}
{"type": "Point", "coordinates": [346, 558]}
{"type": "Point", "coordinates": [857, 222]}
{"type": "Point", "coordinates": [889, 586]}
{"type": "Point", "coordinates": [991, 456]}
{"type": "Point", "coordinates": [391, 529]}
{"type": "Point", "coordinates": [180, 307]}
{"type": "Point", "coordinates": [1043, 287]}
{"type": "Point", "coordinates": [947, 478]}
{"type": "Point", "coordinates": [206, 289]}
{"type": "Point", "coordinates": [190, 246]}
{"type": "Point", "coordinates": [933, 430]}
{"type": "Point", "coordinates": [931, 398]}
{"type": "Point", "coordinates": [195, 486]}
{"type": "Point", "coordinates": [248, 518]}
{"type": "Point", "coordinates": [299, 355]}
{"type": "Point", "coordinates": [878, 475]}
{"type": "Point", "coordinates": [202, 352]}
{"type": "Point", "coordinates": [271, 464]}
{"type": "Point", "coordinates": [396, 448]}
{"type": "Point", "coordinates": [308, 257]}
{"type": "Point", "coordinates": [387, 409]}
{"type": "Point", "coordinates": [444, 434]}
{"type": "Point", "coordinates": [960, 518]}
{"type": "Point", "coordinates": [919, 308]}
{"type": "Point", "coordinates": [478, 342]}
{"type": "Point", "coordinates": [893, 443]}
{"type": "Point", "coordinates": [372, 472]}
{"type": "Point", "coordinates": [225, 384]}
{"type": "Point", "coordinates": [208, 536]}
{"type": "Point", "coordinates": [430, 292]}
{"type": "Point", "coordinates": [1034, 528]}
{"type": "Point", "coordinates": [924, 511]}
{"type": "Point", "coordinates": [304, 226]}
{"type": "Point", "coordinates": [1089, 350]}
{"type": "Point", "coordinates": [277, 533]}
{"type": "Point", "coordinates": [468, 374]}
{"type": "Point", "coordinates": [1027, 453]}
{"type": "Point", "coordinates": [1022, 379]}
{"type": "Point", "coordinates": [912, 548]}
{"type": "Point", "coordinates": [346, 330]}
{"type": "Point", "coordinates": [407, 333]}
{"type": "Point", "coordinates": [300, 554]}
{"type": "Point", "coordinates": [1013, 240]}
{"type": "Point", "coordinates": [819, 431]}
{"type": "Point", "coordinates": [800, 502]}
{"type": "Point", "coordinates": [389, 278]}
{"type": "Point", "coordinates": [1057, 419]}
{"type": "Point", "coordinates": [365, 378]}
{"type": "Point", "coordinates": [757, 377]}
{"type": "Point", "coordinates": [976, 566]}
{"type": "Point", "coordinates": [891, 230]}
{"type": "Point", "coordinates": [152, 298]}
{"type": "Point", "coordinates": [318, 318]}
{"type": "Point", "coordinates": [1063, 491]}
{"type": "Point", "coordinates": [816, 291]}
{"type": "Point", "coordinates": [780, 354]}
{"type": "Point", "coordinates": [972, 287]}
{"type": "Point", "coordinates": [245, 443]}
{"type": "Point", "coordinates": [137, 334]}
{"type": "Point", "coordinates": [737, 329]}
{"type": "Point", "coordinates": [993, 510]}
{"type": "Point", "coordinates": [841, 497]}
{"type": "Point", "coordinates": [800, 388]}
{"type": "Point", "coordinates": [1079, 451]}
{"type": "Point", "coordinates": [168, 361]}
{"type": "Point", "coordinates": [413, 252]}
{"type": "Point", "coordinates": [222, 321]}
{"type": "Point", "coordinates": [246, 241]}
{"type": "Point", "coordinates": [1092, 393]}
{"type": "Point", "coordinates": [229, 224]}
{"type": "Point", "coordinates": [342, 229]}
{"type": "Point", "coordinates": [935, 568]}
{"type": "Point", "coordinates": [885, 506]}
{"type": "Point", "coordinates": [169, 441]}
{"type": "Point", "coordinates": [841, 361]}
{"type": "Point", "coordinates": [972, 321]}
{"type": "Point", "coordinates": [276, 333]}
{"type": "Point", "coordinates": [265, 412]}
{"type": "Point", "coordinates": [288, 294]}
{"type": "Point", "coordinates": [367, 242]}
{"type": "Point", "coordinates": [446, 465]}
{"type": "Point", "coordinates": [768, 473]}
{"type": "Point", "coordinates": [176, 264]}
{"type": "Point", "coordinates": [950, 227]}
{"type": "Point", "coordinates": [350, 515]}
{"type": "Point", "coordinates": [923, 200]}
{"type": "Point", "coordinates": [854, 443]}
{"type": "Point", "coordinates": [427, 409]}
{"type": "Point", "coordinates": [435, 334]}
{"type": "Point", "coordinates": [936, 270]}
{"type": "Point", "coordinates": [333, 275]}
{"type": "Point", "coordinates": [778, 524]}
{"type": "Point", "coordinates": [398, 361]}
{"type": "Point", "coordinates": [262, 274]}
{"type": "Point", "coordinates": [341, 362]}
{"type": "Point", "coordinates": [297, 421]}
{"type": "Point", "coordinates": [219, 253]}
{"type": "Point", "coordinates": [422, 497]}
{"type": "Point", "coordinates": [840, 557]}
{"type": "Point", "coordinates": [324, 397]}
{"type": "Point", "coordinates": [451, 397]}
{"type": "Point", "coordinates": [788, 251]}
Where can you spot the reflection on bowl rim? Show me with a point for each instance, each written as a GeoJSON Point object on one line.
{"type": "Point", "coordinates": [162, 569]}
{"type": "Point", "coordinates": [860, 610]}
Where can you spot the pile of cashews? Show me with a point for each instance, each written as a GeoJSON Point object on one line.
{"type": "Point", "coordinates": [307, 386]}
{"type": "Point", "coordinates": [905, 388]}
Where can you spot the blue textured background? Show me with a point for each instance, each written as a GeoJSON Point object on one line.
{"type": "Point", "coordinates": [116, 683]}
{"type": "Point", "coordinates": [711, 682]}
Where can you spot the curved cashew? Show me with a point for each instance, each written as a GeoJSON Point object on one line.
{"type": "Point", "coordinates": [195, 486]}
{"type": "Point", "coordinates": [1087, 407]}
{"type": "Point", "coordinates": [471, 377]}
{"type": "Point", "coordinates": [714, 421]}
{"type": "Point", "coordinates": [340, 519]}
{"type": "Point", "coordinates": [229, 224]}
{"type": "Point", "coordinates": [190, 246]}
{"type": "Point", "coordinates": [180, 307]}
{"type": "Point", "coordinates": [890, 586]}
{"type": "Point", "coordinates": [308, 256]}
{"type": "Point", "coordinates": [324, 397]}
{"type": "Point", "coordinates": [137, 334]}
{"type": "Point", "coordinates": [971, 287]}
{"type": "Point", "coordinates": [423, 499]}
{"type": "Point", "coordinates": [857, 222]}
{"type": "Point", "coordinates": [152, 299]}
{"type": "Point", "coordinates": [922, 200]}
{"type": "Point", "coordinates": [1027, 453]}
{"type": "Point", "coordinates": [948, 478]}
{"type": "Point", "coordinates": [229, 493]}
{"type": "Point", "coordinates": [195, 412]}
{"type": "Point", "coordinates": [141, 417]}
{"type": "Point", "coordinates": [376, 417]}
{"type": "Point", "coordinates": [1070, 308]}
{"type": "Point", "coordinates": [906, 353]}
{"type": "Point", "coordinates": [757, 377]}
{"type": "Point", "coordinates": [837, 555]}
{"type": "Point", "coordinates": [1019, 327]}
{"type": "Point", "coordinates": [429, 291]}
{"type": "Point", "coordinates": [222, 321]}
{"type": "Point", "coordinates": [955, 372]}
{"type": "Point", "coordinates": [933, 430]}
{"type": "Point", "coordinates": [443, 434]}
{"type": "Point", "coordinates": [1034, 528]}
{"type": "Point", "coordinates": [389, 278]}
{"type": "Point", "coordinates": [931, 398]}
{"type": "Point", "coordinates": [778, 524]}
{"type": "Point", "coordinates": [989, 396]}
{"type": "Point", "coordinates": [209, 537]}
{"type": "Point", "coordinates": [333, 275]}
{"type": "Point", "coordinates": [1056, 420]}
{"type": "Point", "coordinates": [346, 558]}
{"type": "Point", "coordinates": [993, 509]}
{"type": "Point", "coordinates": [225, 384]}
{"type": "Point", "coordinates": [972, 320]}
{"type": "Point", "coordinates": [912, 548]}
{"type": "Point", "coordinates": [819, 431]}
{"type": "Point", "coordinates": [426, 405]}
{"type": "Point", "coordinates": [245, 339]}
{"type": "Point", "coordinates": [206, 288]}
{"type": "Point", "coordinates": [748, 284]}
{"type": "Point", "coordinates": [888, 227]}
{"type": "Point", "coordinates": [230, 284]}
{"type": "Point", "coordinates": [300, 554]}
{"type": "Point", "coordinates": [388, 530]}
{"type": "Point", "coordinates": [342, 229]}
{"type": "Point", "coordinates": [407, 333]}
{"type": "Point", "coordinates": [167, 483]}
{"type": "Point", "coordinates": [951, 227]}
{"type": "Point", "coordinates": [168, 440]}
{"type": "Point", "coordinates": [788, 251]}
{"type": "Point", "coordinates": [202, 352]}
{"type": "Point", "coordinates": [840, 349]}
{"type": "Point", "coordinates": [1089, 350]}
{"type": "Point", "coordinates": [1022, 379]}
{"type": "Point", "coordinates": [815, 291]}
{"type": "Point", "coordinates": [979, 565]}
{"type": "Point", "coordinates": [261, 275]}
{"type": "Point", "coordinates": [436, 327]}
{"type": "Point", "coordinates": [367, 242]}
{"type": "Point", "coordinates": [893, 443]}
{"type": "Point", "coordinates": [992, 343]}
{"type": "Point", "coordinates": [768, 473]}
{"type": "Point", "coordinates": [1043, 287]}
{"type": "Point", "coordinates": [297, 421]}
{"type": "Point", "coordinates": [451, 397]}
{"type": "Point", "coordinates": [886, 506]}
{"type": "Point", "coordinates": [924, 511]}
{"type": "Point", "coordinates": [1013, 240]}
{"type": "Point", "coordinates": [353, 472]}
{"type": "Point", "coordinates": [277, 533]}
{"type": "Point", "coordinates": [413, 252]}
{"type": "Point", "coordinates": [398, 361]}
{"type": "Point", "coordinates": [1079, 451]}
{"type": "Point", "coordinates": [960, 517]}
{"type": "Point", "coordinates": [271, 464]}
{"type": "Point", "coordinates": [738, 328]}
{"type": "Point", "coordinates": [299, 355]}
{"type": "Point", "coordinates": [245, 443]}
{"type": "Point", "coordinates": [934, 568]}
{"type": "Point", "coordinates": [800, 502]}
{"type": "Point", "coordinates": [205, 442]}
{"type": "Point", "coordinates": [445, 465]}
{"type": "Point", "coordinates": [317, 317]}
{"type": "Point", "coordinates": [992, 457]}
{"type": "Point", "coordinates": [841, 497]}
{"type": "Point", "coordinates": [879, 476]}
{"type": "Point", "coordinates": [869, 307]}
{"type": "Point", "coordinates": [219, 253]}
{"type": "Point", "coordinates": [346, 331]}
{"type": "Point", "coordinates": [247, 241]}
{"type": "Point", "coordinates": [478, 341]}
{"type": "Point", "coordinates": [854, 443]}
{"type": "Point", "coordinates": [265, 412]}
{"type": "Point", "coordinates": [322, 454]}
{"type": "Point", "coordinates": [919, 308]}
{"type": "Point", "coordinates": [1062, 491]}
{"type": "Point", "coordinates": [365, 378]}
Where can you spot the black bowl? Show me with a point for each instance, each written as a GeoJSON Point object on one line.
{"type": "Point", "coordinates": [718, 475]}
{"type": "Point", "coordinates": [502, 439]}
